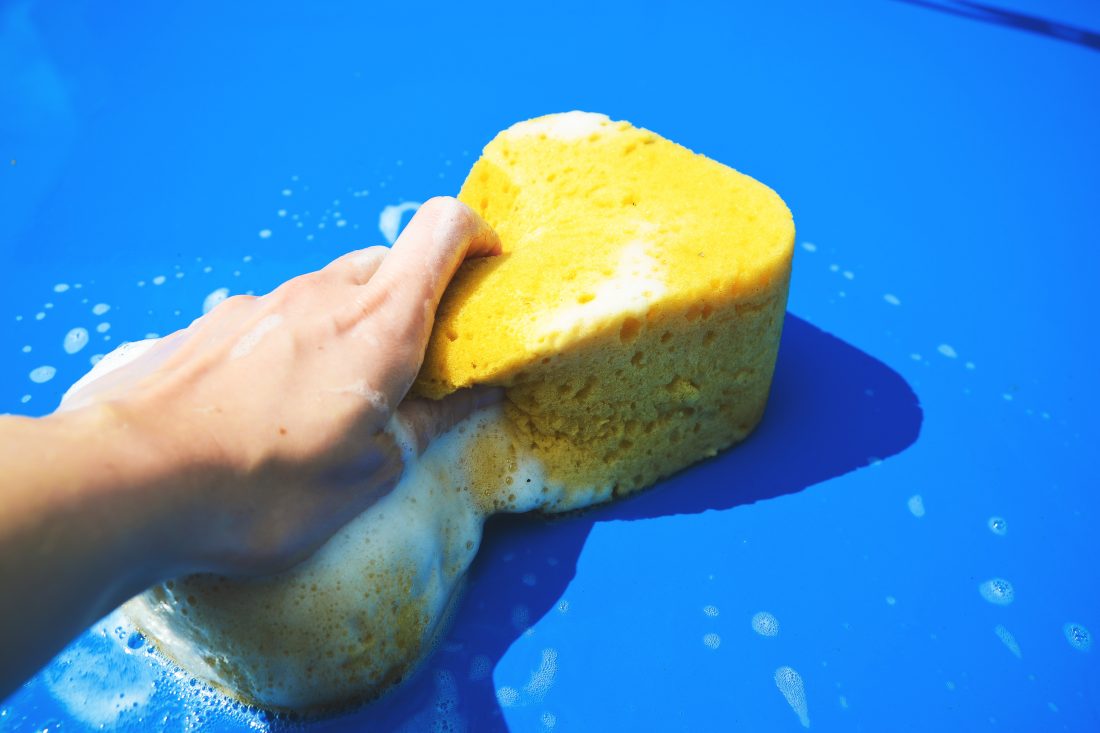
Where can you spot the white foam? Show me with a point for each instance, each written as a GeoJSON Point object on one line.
{"type": "Point", "coordinates": [507, 696]}
{"type": "Point", "coordinates": [997, 591]}
{"type": "Point", "coordinates": [636, 282]}
{"type": "Point", "coordinates": [375, 398]}
{"type": "Point", "coordinates": [480, 667]}
{"type": "Point", "coordinates": [389, 221]}
{"type": "Point", "coordinates": [103, 327]}
{"type": "Point", "coordinates": [947, 350]}
{"type": "Point", "coordinates": [891, 299]}
{"type": "Point", "coordinates": [565, 126]}
{"type": "Point", "coordinates": [1078, 636]}
{"type": "Point", "coordinates": [765, 624]}
{"type": "Point", "coordinates": [101, 695]}
{"type": "Point", "coordinates": [542, 679]}
{"type": "Point", "coordinates": [790, 684]}
{"type": "Point", "coordinates": [711, 611]}
{"type": "Point", "coordinates": [159, 280]}
{"type": "Point", "coordinates": [265, 234]}
{"type": "Point", "coordinates": [1008, 639]}
{"type": "Point", "coordinates": [251, 340]}
{"type": "Point", "coordinates": [100, 308]}
{"type": "Point", "coordinates": [60, 287]}
{"type": "Point", "coordinates": [75, 340]}
{"type": "Point", "coordinates": [403, 558]}
{"type": "Point", "coordinates": [712, 640]}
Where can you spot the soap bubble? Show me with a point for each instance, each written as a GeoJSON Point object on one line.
{"type": "Point", "coordinates": [997, 591]}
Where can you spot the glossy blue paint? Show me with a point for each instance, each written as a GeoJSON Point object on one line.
{"type": "Point", "coordinates": [943, 172]}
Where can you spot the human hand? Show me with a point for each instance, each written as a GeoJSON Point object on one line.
{"type": "Point", "coordinates": [262, 427]}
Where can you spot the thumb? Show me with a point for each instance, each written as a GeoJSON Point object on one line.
{"type": "Point", "coordinates": [429, 419]}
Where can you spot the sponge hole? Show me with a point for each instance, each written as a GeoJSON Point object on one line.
{"type": "Point", "coordinates": [630, 329]}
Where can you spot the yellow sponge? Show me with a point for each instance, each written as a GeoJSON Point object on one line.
{"type": "Point", "coordinates": [635, 314]}
{"type": "Point", "coordinates": [634, 319]}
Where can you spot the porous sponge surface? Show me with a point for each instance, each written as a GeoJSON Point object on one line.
{"type": "Point", "coordinates": [635, 313]}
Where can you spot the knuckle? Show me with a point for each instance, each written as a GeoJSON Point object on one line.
{"type": "Point", "coordinates": [236, 303]}
{"type": "Point", "coordinates": [295, 289]}
{"type": "Point", "coordinates": [456, 216]}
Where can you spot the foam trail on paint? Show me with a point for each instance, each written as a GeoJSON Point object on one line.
{"type": "Point", "coordinates": [790, 684]}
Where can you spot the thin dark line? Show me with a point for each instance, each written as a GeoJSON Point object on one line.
{"type": "Point", "coordinates": [1012, 19]}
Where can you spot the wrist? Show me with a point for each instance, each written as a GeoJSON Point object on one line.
{"type": "Point", "coordinates": [121, 473]}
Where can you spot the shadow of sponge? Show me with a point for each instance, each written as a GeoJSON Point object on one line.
{"type": "Point", "coordinates": [833, 409]}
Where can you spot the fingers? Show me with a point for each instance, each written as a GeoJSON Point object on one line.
{"type": "Point", "coordinates": [412, 278]}
{"type": "Point", "coordinates": [394, 312]}
{"type": "Point", "coordinates": [357, 268]}
{"type": "Point", "coordinates": [429, 419]}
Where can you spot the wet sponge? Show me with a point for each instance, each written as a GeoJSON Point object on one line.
{"type": "Point", "coordinates": [635, 314]}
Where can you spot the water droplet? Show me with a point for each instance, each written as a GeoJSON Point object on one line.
{"type": "Point", "coordinates": [135, 640]}
{"type": "Point", "coordinates": [1078, 636]}
{"type": "Point", "coordinates": [916, 505]}
{"type": "Point", "coordinates": [75, 340]}
{"type": "Point", "coordinates": [998, 526]}
{"type": "Point", "coordinates": [997, 591]}
{"type": "Point", "coordinates": [42, 374]}
{"type": "Point", "coordinates": [211, 301]}
{"type": "Point", "coordinates": [765, 624]}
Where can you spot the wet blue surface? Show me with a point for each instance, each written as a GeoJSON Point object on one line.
{"type": "Point", "coordinates": [943, 168]}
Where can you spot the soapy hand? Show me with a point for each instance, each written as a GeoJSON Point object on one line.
{"type": "Point", "coordinates": [274, 413]}
{"type": "Point", "coordinates": [236, 446]}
